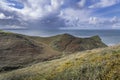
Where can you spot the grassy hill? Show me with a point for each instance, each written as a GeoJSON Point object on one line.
{"type": "Point", "coordinates": [19, 51]}
{"type": "Point", "coordinates": [69, 44]}
{"type": "Point", "coordinates": [96, 64]}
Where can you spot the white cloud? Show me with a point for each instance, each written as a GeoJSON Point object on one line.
{"type": "Point", "coordinates": [3, 16]}
{"type": "Point", "coordinates": [104, 3]}
{"type": "Point", "coordinates": [95, 23]}
{"type": "Point", "coordinates": [74, 17]}
{"type": "Point", "coordinates": [39, 9]}
{"type": "Point", "coordinates": [116, 26]}
{"type": "Point", "coordinates": [114, 19]}
{"type": "Point", "coordinates": [113, 22]}
{"type": "Point", "coordinates": [82, 3]}
{"type": "Point", "coordinates": [34, 9]}
{"type": "Point", "coordinates": [93, 20]}
{"type": "Point", "coordinates": [6, 6]}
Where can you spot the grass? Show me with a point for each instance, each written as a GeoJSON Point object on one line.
{"type": "Point", "coordinates": [70, 44]}
{"type": "Point", "coordinates": [18, 51]}
{"type": "Point", "coordinates": [97, 64]}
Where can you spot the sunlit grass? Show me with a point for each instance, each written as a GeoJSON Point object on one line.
{"type": "Point", "coordinates": [97, 64]}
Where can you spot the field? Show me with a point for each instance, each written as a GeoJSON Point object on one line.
{"type": "Point", "coordinates": [96, 64]}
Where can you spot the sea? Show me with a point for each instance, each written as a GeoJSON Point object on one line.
{"type": "Point", "coordinates": [109, 37]}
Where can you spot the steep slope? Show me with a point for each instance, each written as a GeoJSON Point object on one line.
{"type": "Point", "coordinates": [18, 51]}
{"type": "Point", "coordinates": [97, 64]}
{"type": "Point", "coordinates": [70, 44]}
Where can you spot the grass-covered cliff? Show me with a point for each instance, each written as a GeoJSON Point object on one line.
{"type": "Point", "coordinates": [97, 64]}
{"type": "Point", "coordinates": [19, 51]}
{"type": "Point", "coordinates": [71, 44]}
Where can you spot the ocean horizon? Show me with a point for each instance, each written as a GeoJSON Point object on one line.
{"type": "Point", "coordinates": [109, 37]}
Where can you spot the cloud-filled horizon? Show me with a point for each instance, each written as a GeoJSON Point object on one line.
{"type": "Point", "coordinates": [60, 14]}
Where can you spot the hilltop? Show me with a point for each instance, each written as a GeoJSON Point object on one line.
{"type": "Point", "coordinates": [69, 44]}
{"type": "Point", "coordinates": [96, 64]}
{"type": "Point", "coordinates": [19, 51]}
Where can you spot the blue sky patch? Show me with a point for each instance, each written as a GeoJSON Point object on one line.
{"type": "Point", "coordinates": [15, 4]}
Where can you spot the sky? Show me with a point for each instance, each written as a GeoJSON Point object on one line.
{"type": "Point", "coordinates": [59, 14]}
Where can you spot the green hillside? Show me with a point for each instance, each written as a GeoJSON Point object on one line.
{"type": "Point", "coordinates": [69, 44]}
{"type": "Point", "coordinates": [19, 51]}
{"type": "Point", "coordinates": [97, 64]}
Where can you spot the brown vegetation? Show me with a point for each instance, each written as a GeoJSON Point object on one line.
{"type": "Point", "coordinates": [18, 51]}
